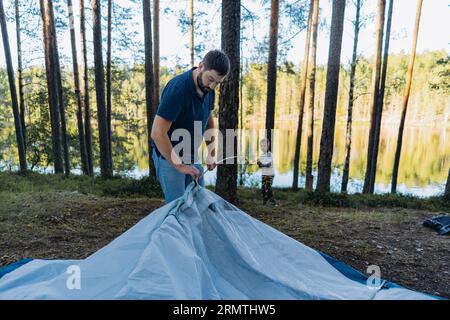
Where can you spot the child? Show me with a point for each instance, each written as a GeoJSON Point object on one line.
{"type": "Point", "coordinates": [265, 162]}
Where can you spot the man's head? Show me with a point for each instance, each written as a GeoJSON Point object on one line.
{"type": "Point", "coordinates": [212, 70]}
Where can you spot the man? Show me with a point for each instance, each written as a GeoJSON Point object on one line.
{"type": "Point", "coordinates": [186, 101]}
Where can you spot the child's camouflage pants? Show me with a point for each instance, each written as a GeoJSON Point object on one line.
{"type": "Point", "coordinates": [266, 189]}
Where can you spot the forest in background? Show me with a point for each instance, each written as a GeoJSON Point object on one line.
{"type": "Point", "coordinates": [430, 105]}
{"type": "Point", "coordinates": [65, 126]}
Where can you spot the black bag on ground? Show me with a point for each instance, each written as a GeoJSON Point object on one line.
{"type": "Point", "coordinates": [439, 223]}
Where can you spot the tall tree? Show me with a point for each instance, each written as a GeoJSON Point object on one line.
{"type": "Point", "coordinates": [156, 51]}
{"type": "Point", "coordinates": [191, 22]}
{"type": "Point", "coordinates": [149, 89]}
{"type": "Point", "coordinates": [331, 92]}
{"type": "Point", "coordinates": [304, 72]}
{"type": "Point", "coordinates": [105, 164]}
{"type": "Point", "coordinates": [85, 91]}
{"type": "Point", "coordinates": [376, 71]}
{"type": "Point", "coordinates": [13, 92]}
{"type": "Point", "coordinates": [406, 99]}
{"type": "Point", "coordinates": [76, 75]}
{"type": "Point", "coordinates": [312, 82]}
{"type": "Point", "coordinates": [108, 82]}
{"type": "Point", "coordinates": [226, 185]}
{"type": "Point", "coordinates": [272, 69]}
{"type": "Point", "coordinates": [20, 72]}
{"type": "Point", "coordinates": [447, 186]}
{"type": "Point", "coordinates": [380, 101]}
{"type": "Point", "coordinates": [51, 87]}
{"type": "Point", "coordinates": [60, 91]}
{"type": "Point", "coordinates": [348, 138]}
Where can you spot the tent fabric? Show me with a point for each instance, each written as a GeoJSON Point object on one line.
{"type": "Point", "coordinates": [13, 266]}
{"type": "Point", "coordinates": [199, 246]}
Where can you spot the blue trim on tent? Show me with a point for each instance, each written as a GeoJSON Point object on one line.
{"type": "Point", "coordinates": [345, 269]}
{"type": "Point", "coordinates": [13, 266]}
{"type": "Point", "coordinates": [360, 277]}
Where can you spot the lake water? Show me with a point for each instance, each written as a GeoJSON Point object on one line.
{"type": "Point", "coordinates": [424, 163]}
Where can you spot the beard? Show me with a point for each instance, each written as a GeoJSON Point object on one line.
{"type": "Point", "coordinates": [200, 83]}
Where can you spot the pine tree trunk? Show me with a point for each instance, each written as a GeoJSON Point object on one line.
{"type": "Point", "coordinates": [376, 70]}
{"type": "Point", "coordinates": [108, 84]}
{"type": "Point", "coordinates": [61, 102]}
{"type": "Point", "coordinates": [149, 88]}
{"type": "Point", "coordinates": [156, 52]}
{"type": "Point", "coordinates": [13, 92]}
{"type": "Point", "coordinates": [226, 184]}
{"type": "Point", "coordinates": [447, 186]}
{"type": "Point", "coordinates": [85, 92]}
{"type": "Point", "coordinates": [241, 106]}
{"type": "Point", "coordinates": [331, 93]}
{"type": "Point", "coordinates": [82, 141]}
{"type": "Point", "coordinates": [105, 164]}
{"type": "Point", "coordinates": [348, 139]}
{"type": "Point", "coordinates": [302, 99]}
{"type": "Point", "coordinates": [380, 101]}
{"type": "Point", "coordinates": [20, 74]}
{"type": "Point", "coordinates": [192, 33]}
{"type": "Point", "coordinates": [272, 71]}
{"type": "Point", "coordinates": [52, 88]}
{"type": "Point", "coordinates": [312, 82]}
{"type": "Point", "coordinates": [405, 100]}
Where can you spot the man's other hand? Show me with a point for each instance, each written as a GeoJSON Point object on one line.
{"type": "Point", "coordinates": [188, 169]}
{"type": "Point", "coordinates": [211, 162]}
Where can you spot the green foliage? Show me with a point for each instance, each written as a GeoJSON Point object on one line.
{"type": "Point", "coordinates": [358, 201]}
{"type": "Point", "coordinates": [116, 187]}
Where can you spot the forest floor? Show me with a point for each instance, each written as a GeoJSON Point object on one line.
{"type": "Point", "coordinates": [51, 217]}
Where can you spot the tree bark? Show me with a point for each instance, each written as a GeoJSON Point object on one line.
{"type": "Point", "coordinates": [85, 91]}
{"type": "Point", "coordinates": [226, 185]}
{"type": "Point", "coordinates": [20, 74]}
{"type": "Point", "coordinates": [312, 82]}
{"type": "Point", "coordinates": [331, 92]}
{"type": "Point", "coordinates": [376, 70]}
{"type": "Point", "coordinates": [52, 89]}
{"type": "Point", "coordinates": [61, 102]}
{"type": "Point", "coordinates": [406, 99]}
{"type": "Point", "coordinates": [447, 186]}
{"type": "Point", "coordinates": [13, 92]}
{"type": "Point", "coordinates": [304, 72]}
{"type": "Point", "coordinates": [272, 71]}
{"type": "Point", "coordinates": [380, 102]}
{"type": "Point", "coordinates": [348, 139]}
{"type": "Point", "coordinates": [149, 88]}
{"type": "Point", "coordinates": [156, 52]}
{"type": "Point", "coordinates": [108, 83]}
{"type": "Point", "coordinates": [76, 75]}
{"type": "Point", "coordinates": [105, 164]}
{"type": "Point", "coordinates": [192, 33]}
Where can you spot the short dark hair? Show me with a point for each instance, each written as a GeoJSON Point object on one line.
{"type": "Point", "coordinates": [217, 60]}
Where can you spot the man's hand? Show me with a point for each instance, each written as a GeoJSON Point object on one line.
{"type": "Point", "coordinates": [211, 162]}
{"type": "Point", "coordinates": [190, 170]}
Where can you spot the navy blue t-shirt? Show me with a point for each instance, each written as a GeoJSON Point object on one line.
{"type": "Point", "coordinates": [181, 104]}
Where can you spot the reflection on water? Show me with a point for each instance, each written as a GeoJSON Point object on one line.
{"type": "Point", "coordinates": [423, 168]}
{"type": "Point", "coordinates": [424, 163]}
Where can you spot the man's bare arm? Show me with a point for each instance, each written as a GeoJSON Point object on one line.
{"type": "Point", "coordinates": [211, 143]}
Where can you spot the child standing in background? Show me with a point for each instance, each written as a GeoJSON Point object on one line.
{"type": "Point", "coordinates": [265, 162]}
